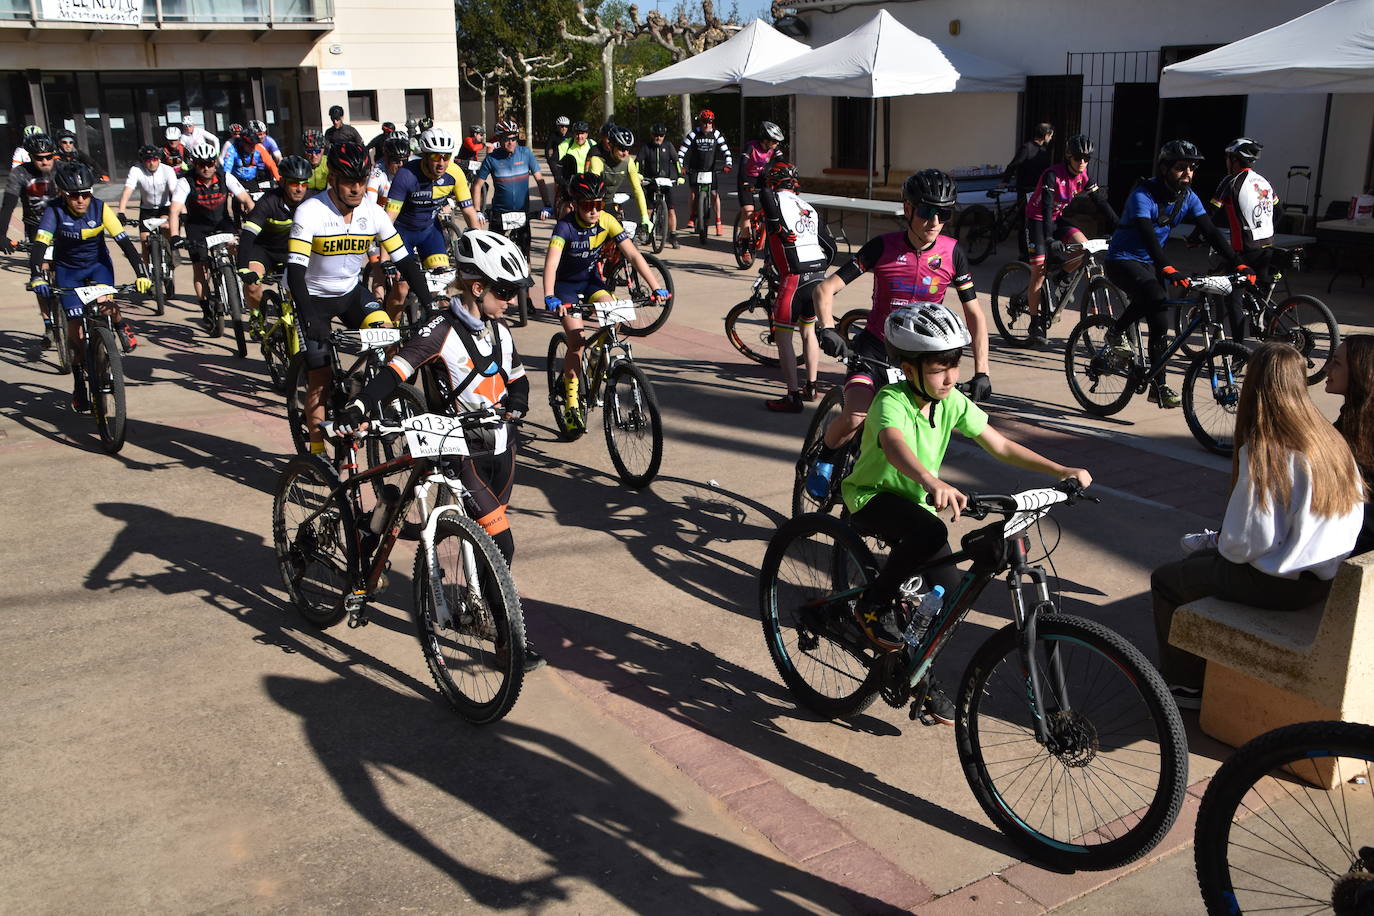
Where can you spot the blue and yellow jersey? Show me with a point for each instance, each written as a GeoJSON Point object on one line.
{"type": "Point", "coordinates": [581, 244]}
{"type": "Point", "coordinates": [413, 197]}
{"type": "Point", "coordinates": [78, 241]}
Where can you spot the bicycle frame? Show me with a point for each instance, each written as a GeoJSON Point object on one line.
{"type": "Point", "coordinates": [599, 357]}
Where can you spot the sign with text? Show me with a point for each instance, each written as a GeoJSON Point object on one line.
{"type": "Point", "coordinates": [117, 12]}
{"type": "Point", "coordinates": [336, 80]}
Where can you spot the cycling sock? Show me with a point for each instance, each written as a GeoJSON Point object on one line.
{"type": "Point", "coordinates": [570, 391]}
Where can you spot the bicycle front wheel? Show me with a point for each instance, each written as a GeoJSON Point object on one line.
{"type": "Point", "coordinates": [218, 304]}
{"type": "Point", "coordinates": [1211, 393]}
{"type": "Point", "coordinates": [158, 268]}
{"type": "Point", "coordinates": [105, 375]}
{"type": "Point", "coordinates": [743, 247]}
{"type": "Point", "coordinates": [649, 315]}
{"type": "Point", "coordinates": [1288, 824]}
{"type": "Point", "coordinates": [851, 323]}
{"type": "Point", "coordinates": [822, 656]}
{"type": "Point", "coordinates": [1184, 316]}
{"type": "Point", "coordinates": [660, 233]}
{"type": "Point", "coordinates": [703, 210]}
{"type": "Point", "coordinates": [1109, 782]}
{"type": "Point", "coordinates": [276, 342]}
{"type": "Point", "coordinates": [1099, 378]}
{"type": "Point", "coordinates": [1102, 297]}
{"type": "Point", "coordinates": [315, 537]}
{"type": "Point", "coordinates": [61, 339]}
{"type": "Point", "coordinates": [634, 428]}
{"type": "Point", "coordinates": [233, 296]}
{"type": "Point", "coordinates": [1010, 303]}
{"type": "Point", "coordinates": [297, 384]}
{"type": "Point", "coordinates": [1307, 325]}
{"type": "Point", "coordinates": [475, 652]}
{"type": "Point", "coordinates": [827, 411]}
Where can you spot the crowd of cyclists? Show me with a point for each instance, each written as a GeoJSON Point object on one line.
{"type": "Point", "coordinates": [350, 229]}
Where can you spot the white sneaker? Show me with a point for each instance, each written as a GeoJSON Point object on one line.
{"type": "Point", "coordinates": [1206, 539]}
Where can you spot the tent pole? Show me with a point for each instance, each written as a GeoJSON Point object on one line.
{"type": "Point", "coordinates": [1321, 166]}
{"type": "Point", "coordinates": [872, 158]}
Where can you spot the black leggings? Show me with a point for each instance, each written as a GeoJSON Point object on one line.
{"type": "Point", "coordinates": [489, 480]}
{"type": "Point", "coordinates": [915, 536]}
{"type": "Point", "coordinates": [1146, 296]}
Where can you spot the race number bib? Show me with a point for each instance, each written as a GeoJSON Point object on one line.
{"type": "Point", "coordinates": [88, 294]}
{"type": "Point", "coordinates": [513, 220]}
{"type": "Point", "coordinates": [430, 435]}
{"type": "Point", "coordinates": [705, 177]}
{"type": "Point", "coordinates": [614, 311]}
{"type": "Point", "coordinates": [222, 238]}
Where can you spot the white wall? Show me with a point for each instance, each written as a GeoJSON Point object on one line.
{"type": "Point", "coordinates": [1290, 127]}
{"type": "Point", "coordinates": [1347, 149]}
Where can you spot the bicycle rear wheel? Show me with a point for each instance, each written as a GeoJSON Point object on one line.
{"type": "Point", "coordinates": [1099, 380]}
{"type": "Point", "coordinates": [749, 328]}
{"type": "Point", "coordinates": [819, 651]}
{"type": "Point", "coordinates": [1271, 835]}
{"type": "Point", "coordinates": [975, 232]}
{"type": "Point", "coordinates": [1010, 305]}
{"type": "Point", "coordinates": [660, 233]}
{"type": "Point", "coordinates": [61, 338]}
{"type": "Point", "coordinates": [1111, 780]}
{"type": "Point", "coordinates": [315, 538]}
{"type": "Point", "coordinates": [1307, 325]}
{"type": "Point", "coordinates": [105, 375]}
{"type": "Point", "coordinates": [477, 658]}
{"type": "Point", "coordinates": [649, 315]}
{"type": "Point", "coordinates": [829, 409]}
{"type": "Point", "coordinates": [1211, 393]}
{"type": "Point", "coordinates": [567, 431]}
{"type": "Point", "coordinates": [634, 428]}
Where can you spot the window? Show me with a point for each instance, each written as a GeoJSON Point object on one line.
{"type": "Point", "coordinates": [419, 103]}
{"type": "Point", "coordinates": [362, 105]}
{"type": "Point", "coordinates": [850, 138]}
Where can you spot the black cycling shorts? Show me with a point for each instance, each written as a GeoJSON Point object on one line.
{"type": "Point", "coordinates": [270, 257]}
{"type": "Point", "coordinates": [318, 314]}
{"type": "Point", "coordinates": [149, 213]}
{"type": "Point", "coordinates": [746, 187]}
{"type": "Point", "coordinates": [196, 234]}
{"type": "Point", "coordinates": [871, 373]}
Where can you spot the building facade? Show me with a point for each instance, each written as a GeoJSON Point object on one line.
{"type": "Point", "coordinates": [118, 72]}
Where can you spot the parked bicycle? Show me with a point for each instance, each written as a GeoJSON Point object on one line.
{"type": "Point", "coordinates": [104, 361]}
{"type": "Point", "coordinates": [1068, 737]}
{"type": "Point", "coordinates": [1287, 824]}
{"type": "Point", "coordinates": [1303, 322]}
{"type": "Point", "coordinates": [749, 325]}
{"type": "Point", "coordinates": [274, 327]}
{"type": "Point", "coordinates": [609, 378]}
{"type": "Point", "coordinates": [980, 228]}
{"type": "Point", "coordinates": [656, 195]}
{"type": "Point", "coordinates": [1011, 306]}
{"type": "Point", "coordinates": [1103, 380]}
{"type": "Point", "coordinates": [333, 554]}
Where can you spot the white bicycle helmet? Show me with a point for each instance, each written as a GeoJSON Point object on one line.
{"type": "Point", "coordinates": [436, 140]}
{"type": "Point", "coordinates": [202, 151]}
{"type": "Point", "coordinates": [771, 131]}
{"type": "Point", "coordinates": [914, 330]}
{"type": "Point", "coordinates": [492, 256]}
{"type": "Point", "coordinates": [172, 133]}
{"type": "Point", "coordinates": [257, 126]}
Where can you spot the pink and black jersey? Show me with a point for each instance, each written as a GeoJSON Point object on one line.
{"type": "Point", "coordinates": [903, 275]}
{"type": "Point", "coordinates": [1057, 188]}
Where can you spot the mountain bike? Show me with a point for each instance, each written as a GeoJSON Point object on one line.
{"type": "Point", "coordinates": [223, 289]}
{"type": "Point", "coordinates": [609, 378]}
{"type": "Point", "coordinates": [1011, 307]}
{"type": "Point", "coordinates": [705, 183]}
{"type": "Point", "coordinates": [749, 239]}
{"type": "Point", "coordinates": [1287, 824]}
{"type": "Point", "coordinates": [333, 556]}
{"type": "Point", "coordinates": [274, 327]}
{"type": "Point", "coordinates": [371, 346]}
{"type": "Point", "coordinates": [979, 228]}
{"type": "Point", "coordinates": [1303, 322]}
{"type": "Point", "coordinates": [1068, 737]}
{"type": "Point", "coordinates": [161, 261]}
{"type": "Point", "coordinates": [650, 313]}
{"type": "Point", "coordinates": [749, 324]}
{"type": "Point", "coordinates": [656, 194]}
{"type": "Point", "coordinates": [104, 362]}
{"type": "Point", "coordinates": [1103, 380]}
{"type": "Point", "coordinates": [515, 225]}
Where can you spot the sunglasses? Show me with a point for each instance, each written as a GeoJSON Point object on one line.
{"type": "Point", "coordinates": [78, 195]}
{"type": "Point", "coordinates": [1081, 158]}
{"type": "Point", "coordinates": [314, 152]}
{"type": "Point", "coordinates": [503, 289]}
{"type": "Point", "coordinates": [49, 157]}
{"type": "Point", "coordinates": [928, 212]}
{"type": "Point", "coordinates": [597, 204]}
{"type": "Point", "coordinates": [1185, 167]}
{"type": "Point", "coordinates": [438, 157]}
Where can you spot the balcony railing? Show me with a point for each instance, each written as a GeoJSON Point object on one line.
{"type": "Point", "coordinates": [244, 13]}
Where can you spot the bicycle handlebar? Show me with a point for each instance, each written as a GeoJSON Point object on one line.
{"type": "Point", "coordinates": [980, 505]}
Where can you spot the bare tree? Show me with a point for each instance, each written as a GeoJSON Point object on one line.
{"type": "Point", "coordinates": [684, 38]}
{"type": "Point", "coordinates": [538, 68]}
{"type": "Point", "coordinates": [607, 37]}
{"type": "Point", "coordinates": [480, 81]}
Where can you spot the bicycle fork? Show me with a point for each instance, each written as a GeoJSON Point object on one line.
{"type": "Point", "coordinates": [1026, 622]}
{"type": "Point", "coordinates": [443, 614]}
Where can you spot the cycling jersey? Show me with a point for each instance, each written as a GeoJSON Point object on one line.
{"type": "Point", "coordinates": [582, 245]}
{"type": "Point", "coordinates": [155, 188]}
{"type": "Point", "coordinates": [470, 149]}
{"type": "Point", "coordinates": [268, 226]}
{"type": "Point", "coordinates": [1056, 190]}
{"type": "Point", "coordinates": [319, 178]}
{"type": "Point", "coordinates": [378, 186]}
{"type": "Point", "coordinates": [78, 242]}
{"type": "Point", "coordinates": [414, 197]}
{"type": "Point", "coordinates": [19, 157]}
{"type": "Point", "coordinates": [510, 174]}
{"type": "Point", "coordinates": [1151, 200]}
{"type": "Point", "coordinates": [1248, 201]}
{"type": "Point", "coordinates": [29, 187]}
{"type": "Point", "coordinates": [903, 275]}
{"type": "Point", "coordinates": [757, 158]}
{"type": "Point", "coordinates": [273, 150]}
{"type": "Point", "coordinates": [658, 160]}
{"type": "Point", "coordinates": [246, 166]}
{"type": "Point", "coordinates": [787, 214]}
{"type": "Point", "coordinates": [207, 202]}
{"type": "Point", "coordinates": [572, 158]}
{"type": "Point", "coordinates": [699, 150]}
{"type": "Point", "coordinates": [333, 250]}
{"type": "Point", "coordinates": [620, 177]}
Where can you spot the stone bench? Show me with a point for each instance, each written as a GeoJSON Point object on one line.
{"type": "Point", "coordinates": [1267, 669]}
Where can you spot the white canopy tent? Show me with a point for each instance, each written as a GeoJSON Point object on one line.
{"type": "Point", "coordinates": [880, 59]}
{"type": "Point", "coordinates": [1329, 50]}
{"type": "Point", "coordinates": [755, 47]}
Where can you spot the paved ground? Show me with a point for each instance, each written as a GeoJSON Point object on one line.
{"type": "Point", "coordinates": [180, 741]}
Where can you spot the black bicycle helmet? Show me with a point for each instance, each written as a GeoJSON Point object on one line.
{"type": "Point", "coordinates": [621, 137]}
{"type": "Point", "coordinates": [296, 168]}
{"type": "Point", "coordinates": [781, 175]}
{"type": "Point", "coordinates": [397, 149]}
{"type": "Point", "coordinates": [586, 186]}
{"type": "Point", "coordinates": [1178, 150]}
{"type": "Point", "coordinates": [1245, 149]}
{"type": "Point", "coordinates": [932, 187]}
{"type": "Point", "coordinates": [349, 161]}
{"type": "Point", "coordinates": [658, 130]}
{"type": "Point", "coordinates": [74, 176]}
{"type": "Point", "coordinates": [40, 145]}
{"type": "Point", "coordinates": [580, 127]}
{"type": "Point", "coordinates": [424, 124]}
{"type": "Point", "coordinates": [1079, 146]}
{"type": "Point", "coordinates": [147, 151]}
{"type": "Point", "coordinates": [66, 135]}
{"type": "Point", "coordinates": [250, 137]}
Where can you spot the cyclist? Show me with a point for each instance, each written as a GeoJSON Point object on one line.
{"type": "Point", "coordinates": [572, 160]}
{"type": "Point", "coordinates": [698, 153]}
{"type": "Point", "coordinates": [31, 183]}
{"type": "Point", "coordinates": [509, 168]}
{"type": "Point", "coordinates": [799, 248]}
{"type": "Point", "coordinates": [475, 352]}
{"type": "Point", "coordinates": [1045, 222]}
{"type": "Point", "coordinates": [1248, 202]}
{"type": "Point", "coordinates": [611, 160]}
{"type": "Point", "coordinates": [374, 146]}
{"type": "Point", "coordinates": [418, 189]}
{"type": "Point", "coordinates": [915, 266]}
{"type": "Point", "coordinates": [338, 132]}
{"type": "Point", "coordinates": [561, 126]}
{"type": "Point", "coordinates": [1136, 262]}
{"type": "Point", "coordinates": [200, 208]}
{"type": "Point", "coordinates": [191, 135]}
{"type": "Point", "coordinates": [755, 159]}
{"type": "Point", "coordinates": [267, 230]}
{"type": "Point", "coordinates": [173, 152]}
{"type": "Point", "coordinates": [473, 148]}
{"type": "Point", "coordinates": [267, 141]}
{"type": "Point", "coordinates": [67, 152]}
{"type": "Point", "coordinates": [249, 161]}
{"type": "Point", "coordinates": [330, 237]}
{"type": "Point", "coordinates": [21, 154]}
{"type": "Point", "coordinates": [658, 159]}
{"type": "Point", "coordinates": [70, 240]}
{"type": "Point", "coordinates": [905, 439]}
{"type": "Point", "coordinates": [155, 181]}
{"type": "Point", "coordinates": [572, 269]}
{"type": "Point", "coordinates": [395, 153]}
{"type": "Point", "coordinates": [312, 147]}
